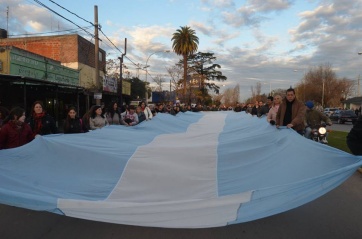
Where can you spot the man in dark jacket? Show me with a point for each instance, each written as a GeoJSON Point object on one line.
{"type": "Point", "coordinates": [354, 137]}
{"type": "Point", "coordinates": [291, 113]}
{"type": "Point", "coordinates": [313, 118]}
{"type": "Point", "coordinates": [237, 108]}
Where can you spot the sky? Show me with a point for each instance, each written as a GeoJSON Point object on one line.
{"type": "Point", "coordinates": [273, 42]}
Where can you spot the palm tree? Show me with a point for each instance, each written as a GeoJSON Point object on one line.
{"type": "Point", "coordinates": [185, 43]}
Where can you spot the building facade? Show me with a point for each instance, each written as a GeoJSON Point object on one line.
{"type": "Point", "coordinates": [72, 51]}
{"type": "Point", "coordinates": [26, 77]}
{"type": "Point", "coordinates": [76, 52]}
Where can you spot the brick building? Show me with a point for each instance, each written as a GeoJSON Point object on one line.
{"type": "Point", "coordinates": [72, 51]}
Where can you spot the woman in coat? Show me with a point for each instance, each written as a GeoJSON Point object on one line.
{"type": "Point", "coordinates": [114, 115]}
{"type": "Point", "coordinates": [97, 119]}
{"type": "Point", "coordinates": [40, 122]}
{"type": "Point", "coordinates": [72, 124]}
{"type": "Point", "coordinates": [272, 114]}
{"type": "Point", "coordinates": [146, 110]}
{"type": "Point", "coordinates": [15, 132]}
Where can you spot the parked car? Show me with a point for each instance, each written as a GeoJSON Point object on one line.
{"type": "Point", "coordinates": [342, 116]}
{"type": "Point", "coordinates": [329, 111]}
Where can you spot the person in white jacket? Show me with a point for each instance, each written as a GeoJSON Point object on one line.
{"type": "Point", "coordinates": [272, 114]}
{"type": "Point", "coordinates": [146, 110]}
{"type": "Point", "coordinates": [129, 117]}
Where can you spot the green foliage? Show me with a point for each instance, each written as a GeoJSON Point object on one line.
{"type": "Point", "coordinates": [185, 41]}
{"type": "Point", "coordinates": [202, 64]}
{"type": "Point", "coordinates": [138, 89]}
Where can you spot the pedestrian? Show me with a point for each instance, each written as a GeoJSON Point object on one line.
{"type": "Point", "coordinates": [114, 115]}
{"type": "Point", "coordinates": [269, 104]}
{"type": "Point", "coordinates": [291, 113]}
{"type": "Point", "coordinates": [41, 123]}
{"type": "Point", "coordinates": [129, 117]}
{"type": "Point", "coordinates": [255, 108]}
{"type": "Point", "coordinates": [97, 119]}
{"type": "Point", "coordinates": [73, 124]}
{"type": "Point", "coordinates": [354, 139]}
{"type": "Point", "coordinates": [272, 114]}
{"type": "Point", "coordinates": [86, 119]}
{"type": "Point", "coordinates": [140, 113]}
{"type": "Point", "coordinates": [237, 108]}
{"type": "Point", "coordinates": [146, 110]}
{"type": "Point", "coordinates": [15, 132]}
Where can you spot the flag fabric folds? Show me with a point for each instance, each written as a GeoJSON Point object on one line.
{"type": "Point", "coordinates": [192, 170]}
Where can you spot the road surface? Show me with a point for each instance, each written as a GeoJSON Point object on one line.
{"type": "Point", "coordinates": [336, 215]}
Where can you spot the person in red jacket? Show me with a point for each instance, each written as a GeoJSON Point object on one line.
{"type": "Point", "coordinates": [15, 132]}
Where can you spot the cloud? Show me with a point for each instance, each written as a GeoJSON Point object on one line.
{"type": "Point", "coordinates": [252, 13]}
{"type": "Point", "coordinates": [330, 33]}
{"type": "Point", "coordinates": [203, 28]}
{"type": "Point", "coordinates": [219, 3]}
{"type": "Point", "coordinates": [27, 18]}
{"type": "Point", "coordinates": [224, 36]}
{"type": "Point", "coordinates": [244, 16]}
{"type": "Point", "coordinates": [149, 39]}
{"type": "Point", "coordinates": [269, 5]}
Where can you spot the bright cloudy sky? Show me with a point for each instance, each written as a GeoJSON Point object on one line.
{"type": "Point", "coordinates": [271, 41]}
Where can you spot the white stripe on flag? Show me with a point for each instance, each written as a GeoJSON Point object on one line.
{"type": "Point", "coordinates": [174, 166]}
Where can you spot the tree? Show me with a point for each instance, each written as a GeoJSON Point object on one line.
{"type": "Point", "coordinates": [175, 73]}
{"type": "Point", "coordinates": [335, 89]}
{"type": "Point", "coordinates": [138, 88]}
{"type": "Point", "coordinates": [185, 43]}
{"type": "Point", "coordinates": [202, 64]}
{"type": "Point", "coordinates": [159, 80]}
{"type": "Point", "coordinates": [112, 68]}
{"type": "Point", "coordinates": [231, 96]}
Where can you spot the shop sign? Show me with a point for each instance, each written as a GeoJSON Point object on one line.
{"type": "Point", "coordinates": [27, 64]}
{"type": "Point", "coordinates": [110, 84]}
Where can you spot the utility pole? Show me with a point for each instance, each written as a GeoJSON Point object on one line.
{"type": "Point", "coordinates": [7, 21]}
{"type": "Point", "coordinates": [359, 89]}
{"type": "Point", "coordinates": [120, 74]}
{"type": "Point", "coordinates": [96, 54]}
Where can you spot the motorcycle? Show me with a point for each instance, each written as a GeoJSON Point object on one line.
{"type": "Point", "coordinates": [319, 134]}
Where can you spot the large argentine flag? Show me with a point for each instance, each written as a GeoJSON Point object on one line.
{"type": "Point", "coordinates": [192, 170]}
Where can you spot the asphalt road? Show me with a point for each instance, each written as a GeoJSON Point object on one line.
{"type": "Point", "coordinates": [336, 215]}
{"type": "Point", "coordinates": [346, 127]}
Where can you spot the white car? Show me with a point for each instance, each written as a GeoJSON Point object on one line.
{"type": "Point", "coordinates": [329, 111]}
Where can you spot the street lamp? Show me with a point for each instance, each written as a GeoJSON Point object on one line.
{"type": "Point", "coordinates": [358, 90]}
{"type": "Point", "coordinates": [146, 67]}
{"type": "Point", "coordinates": [323, 91]}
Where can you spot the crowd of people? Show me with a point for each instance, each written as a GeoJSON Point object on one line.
{"type": "Point", "coordinates": [17, 130]}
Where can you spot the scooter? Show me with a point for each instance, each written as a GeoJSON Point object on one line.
{"type": "Point", "coordinates": [319, 134]}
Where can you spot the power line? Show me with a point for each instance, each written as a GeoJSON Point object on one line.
{"type": "Point", "coordinates": [40, 33]}
{"type": "Point", "coordinates": [98, 28]}
{"type": "Point", "coordinates": [71, 12]}
{"type": "Point", "coordinates": [43, 5]}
